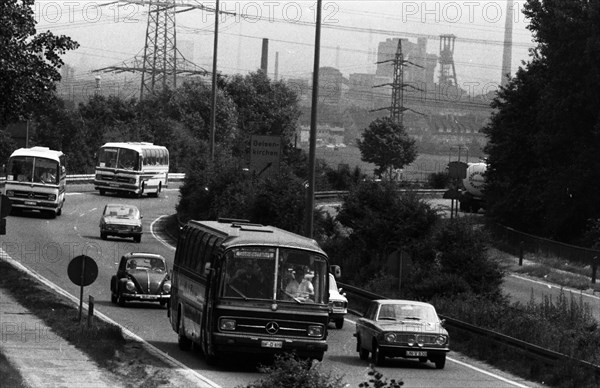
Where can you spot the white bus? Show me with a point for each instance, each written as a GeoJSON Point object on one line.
{"type": "Point", "coordinates": [36, 180]}
{"type": "Point", "coordinates": [132, 167]}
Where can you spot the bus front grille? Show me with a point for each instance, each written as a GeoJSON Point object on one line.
{"type": "Point", "coordinates": [274, 327]}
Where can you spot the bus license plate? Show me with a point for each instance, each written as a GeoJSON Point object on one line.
{"type": "Point", "coordinates": [416, 353]}
{"type": "Point", "coordinates": [271, 344]}
{"type": "Point", "coordinates": [30, 203]}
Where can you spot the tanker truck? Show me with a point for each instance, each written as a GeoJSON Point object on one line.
{"type": "Point", "coordinates": [471, 194]}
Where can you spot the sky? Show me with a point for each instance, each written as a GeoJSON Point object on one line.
{"type": "Point", "coordinates": [111, 33]}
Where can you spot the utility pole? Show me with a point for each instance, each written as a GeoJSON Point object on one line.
{"type": "Point", "coordinates": [310, 195]}
{"type": "Point", "coordinates": [213, 109]}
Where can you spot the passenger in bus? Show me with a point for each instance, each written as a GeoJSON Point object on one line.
{"type": "Point", "coordinates": [47, 176]}
{"type": "Point", "coordinates": [249, 281]}
{"type": "Point", "coordinates": [299, 287]}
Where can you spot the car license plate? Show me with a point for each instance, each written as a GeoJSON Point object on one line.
{"type": "Point", "coordinates": [146, 296]}
{"type": "Point", "coordinates": [30, 203]}
{"type": "Point", "coordinates": [416, 353]}
{"type": "Point", "coordinates": [114, 185]}
{"type": "Point", "coordinates": [272, 344]}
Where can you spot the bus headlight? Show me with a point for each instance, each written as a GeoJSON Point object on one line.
{"type": "Point", "coordinates": [315, 331]}
{"type": "Point", "coordinates": [227, 324]}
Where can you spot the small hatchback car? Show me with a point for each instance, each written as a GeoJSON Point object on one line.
{"type": "Point", "coordinates": [122, 221]}
{"type": "Point", "coordinates": [141, 277]}
{"type": "Point", "coordinates": [402, 328]}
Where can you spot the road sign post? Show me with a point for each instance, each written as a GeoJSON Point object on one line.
{"type": "Point", "coordinates": [82, 271]}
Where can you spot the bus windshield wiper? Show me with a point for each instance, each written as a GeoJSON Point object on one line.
{"type": "Point", "coordinates": [240, 293]}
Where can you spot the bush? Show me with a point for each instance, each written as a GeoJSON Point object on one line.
{"type": "Point", "coordinates": [291, 372]}
{"type": "Point", "coordinates": [438, 180]}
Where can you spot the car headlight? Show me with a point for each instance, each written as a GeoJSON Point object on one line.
{"type": "Point", "coordinates": [441, 340]}
{"type": "Point", "coordinates": [98, 177]}
{"type": "Point", "coordinates": [390, 337]}
{"type": "Point", "coordinates": [411, 340]}
{"type": "Point", "coordinates": [137, 228]}
{"type": "Point", "coordinates": [10, 193]}
{"type": "Point", "coordinates": [130, 286]}
{"type": "Point", "coordinates": [227, 324]}
{"type": "Point", "coordinates": [52, 197]}
{"type": "Point", "coordinates": [315, 331]}
{"type": "Point", "coordinates": [167, 287]}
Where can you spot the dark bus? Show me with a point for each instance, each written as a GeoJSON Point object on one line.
{"type": "Point", "coordinates": [239, 287]}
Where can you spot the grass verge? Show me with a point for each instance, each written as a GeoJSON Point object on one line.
{"type": "Point", "coordinates": [126, 359]}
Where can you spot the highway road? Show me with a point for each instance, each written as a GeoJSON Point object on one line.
{"type": "Point", "coordinates": [47, 245]}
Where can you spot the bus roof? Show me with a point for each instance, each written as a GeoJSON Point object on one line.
{"type": "Point", "coordinates": [244, 234]}
{"type": "Point", "coordinates": [38, 152]}
{"type": "Point", "coordinates": [133, 145]}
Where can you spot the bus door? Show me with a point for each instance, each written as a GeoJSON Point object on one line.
{"type": "Point", "coordinates": [208, 324]}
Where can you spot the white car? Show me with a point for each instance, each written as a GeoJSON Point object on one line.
{"type": "Point", "coordinates": [338, 304]}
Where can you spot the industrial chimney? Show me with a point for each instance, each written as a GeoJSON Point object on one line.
{"type": "Point", "coordinates": [264, 59]}
{"type": "Point", "coordinates": [507, 52]}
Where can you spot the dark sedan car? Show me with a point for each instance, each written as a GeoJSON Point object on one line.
{"type": "Point", "coordinates": [121, 220]}
{"type": "Point", "coordinates": [402, 328]}
{"type": "Point", "coordinates": [141, 277]}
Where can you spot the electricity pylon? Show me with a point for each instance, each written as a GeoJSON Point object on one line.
{"type": "Point", "coordinates": [161, 62]}
{"type": "Point", "coordinates": [397, 107]}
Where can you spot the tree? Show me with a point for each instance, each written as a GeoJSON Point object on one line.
{"type": "Point", "coordinates": [544, 172]}
{"type": "Point", "coordinates": [264, 107]}
{"type": "Point", "coordinates": [386, 144]}
{"type": "Point", "coordinates": [30, 61]}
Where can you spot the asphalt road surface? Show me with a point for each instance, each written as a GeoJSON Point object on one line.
{"type": "Point", "coordinates": [47, 245]}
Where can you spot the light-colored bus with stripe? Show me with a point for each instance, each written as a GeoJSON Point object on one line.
{"type": "Point", "coordinates": [136, 168]}
{"type": "Point", "coordinates": [36, 179]}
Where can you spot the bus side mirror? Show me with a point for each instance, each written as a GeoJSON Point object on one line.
{"type": "Point", "coordinates": [336, 270]}
{"type": "Point", "coordinates": [207, 269]}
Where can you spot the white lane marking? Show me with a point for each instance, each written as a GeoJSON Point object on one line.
{"type": "Point", "coordinates": [189, 373]}
{"type": "Point", "coordinates": [157, 237]}
{"type": "Point", "coordinates": [511, 382]}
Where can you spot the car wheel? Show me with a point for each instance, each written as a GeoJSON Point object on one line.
{"type": "Point", "coordinates": [59, 211]}
{"type": "Point", "coordinates": [137, 239]}
{"type": "Point", "coordinates": [184, 343]}
{"type": "Point", "coordinates": [113, 297]}
{"type": "Point", "coordinates": [163, 303]}
{"type": "Point", "coordinates": [377, 357]}
{"type": "Point", "coordinates": [440, 362]}
{"type": "Point", "coordinates": [211, 359]}
{"type": "Point", "coordinates": [339, 323]}
{"type": "Point", "coordinates": [103, 235]}
{"type": "Point", "coordinates": [362, 352]}
{"type": "Point", "coordinates": [102, 192]}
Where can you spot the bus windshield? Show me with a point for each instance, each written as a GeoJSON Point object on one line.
{"type": "Point", "coordinates": [118, 158]}
{"type": "Point", "coordinates": [282, 274]}
{"type": "Point", "coordinates": [32, 169]}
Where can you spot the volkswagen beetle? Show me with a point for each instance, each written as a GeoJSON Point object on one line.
{"type": "Point", "coordinates": [402, 328]}
{"type": "Point", "coordinates": [141, 277]}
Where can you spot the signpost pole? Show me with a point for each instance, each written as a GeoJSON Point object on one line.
{"type": "Point", "coordinates": [81, 288]}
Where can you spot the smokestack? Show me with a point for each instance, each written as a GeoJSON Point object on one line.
{"type": "Point", "coordinates": [276, 65]}
{"type": "Point", "coordinates": [507, 52]}
{"type": "Point", "coordinates": [264, 59]}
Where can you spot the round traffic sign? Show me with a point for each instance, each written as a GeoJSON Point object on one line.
{"type": "Point", "coordinates": [82, 270]}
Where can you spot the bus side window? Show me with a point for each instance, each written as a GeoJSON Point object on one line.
{"type": "Point", "coordinates": [201, 253]}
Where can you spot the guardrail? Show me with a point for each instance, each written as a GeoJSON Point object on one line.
{"type": "Point", "coordinates": [360, 297]}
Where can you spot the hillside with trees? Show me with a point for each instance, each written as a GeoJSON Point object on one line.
{"type": "Point", "coordinates": [544, 137]}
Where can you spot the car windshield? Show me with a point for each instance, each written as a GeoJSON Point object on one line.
{"type": "Point", "coordinates": [120, 211]}
{"type": "Point", "coordinates": [153, 264]}
{"type": "Point", "coordinates": [403, 312]}
{"type": "Point", "coordinates": [332, 284]}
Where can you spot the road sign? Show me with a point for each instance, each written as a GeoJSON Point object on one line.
{"type": "Point", "coordinates": [82, 270]}
{"type": "Point", "coordinates": [265, 153]}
